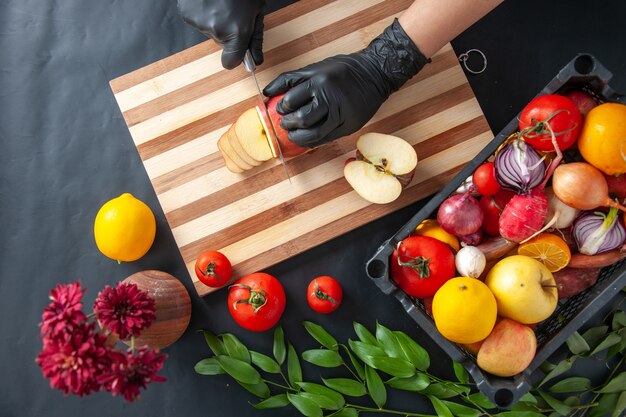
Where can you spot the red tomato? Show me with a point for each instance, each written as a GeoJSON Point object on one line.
{"type": "Point", "coordinates": [213, 269]}
{"type": "Point", "coordinates": [422, 264]}
{"type": "Point", "coordinates": [256, 301]}
{"type": "Point", "coordinates": [324, 294]}
{"type": "Point", "coordinates": [492, 206]}
{"type": "Point", "coordinates": [562, 116]}
{"type": "Point", "coordinates": [484, 179]}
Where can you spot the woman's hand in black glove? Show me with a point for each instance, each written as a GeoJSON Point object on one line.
{"type": "Point", "coordinates": [235, 24]}
{"type": "Point", "coordinates": [337, 96]}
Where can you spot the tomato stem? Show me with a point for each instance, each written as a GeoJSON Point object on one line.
{"type": "Point", "coordinates": [210, 271]}
{"type": "Point", "coordinates": [321, 295]}
{"type": "Point", "coordinates": [419, 263]}
{"type": "Point", "coordinates": [538, 127]}
{"type": "Point", "coordinates": [257, 299]}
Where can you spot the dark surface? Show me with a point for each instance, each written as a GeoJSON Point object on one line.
{"type": "Point", "coordinates": [66, 150]}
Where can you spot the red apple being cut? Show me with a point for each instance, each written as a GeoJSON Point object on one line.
{"type": "Point", "coordinates": [288, 148]}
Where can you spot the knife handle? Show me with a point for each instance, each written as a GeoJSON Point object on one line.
{"type": "Point", "coordinates": [248, 62]}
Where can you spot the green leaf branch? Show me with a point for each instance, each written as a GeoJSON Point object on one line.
{"type": "Point", "coordinates": [384, 360]}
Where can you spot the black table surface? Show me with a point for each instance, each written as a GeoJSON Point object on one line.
{"type": "Point", "coordinates": [66, 150]}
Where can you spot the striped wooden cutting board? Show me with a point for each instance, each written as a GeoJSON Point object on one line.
{"type": "Point", "coordinates": [177, 108]}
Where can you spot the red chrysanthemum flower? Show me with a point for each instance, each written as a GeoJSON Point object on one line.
{"type": "Point", "coordinates": [130, 372]}
{"type": "Point", "coordinates": [74, 359]}
{"type": "Point", "coordinates": [65, 310]}
{"type": "Point", "coordinates": [125, 309]}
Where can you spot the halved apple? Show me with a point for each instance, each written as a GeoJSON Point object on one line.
{"type": "Point", "coordinates": [252, 137]}
{"type": "Point", "coordinates": [288, 148]}
{"type": "Point", "coordinates": [384, 165]}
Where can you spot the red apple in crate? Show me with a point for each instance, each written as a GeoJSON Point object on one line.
{"type": "Point", "coordinates": [288, 148]}
{"type": "Point", "coordinates": [384, 165]}
{"type": "Point", "coordinates": [617, 186]}
{"type": "Point", "coordinates": [508, 350]}
{"type": "Point", "coordinates": [582, 100]}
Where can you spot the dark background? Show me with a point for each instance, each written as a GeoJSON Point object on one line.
{"type": "Point", "coordinates": [66, 150]}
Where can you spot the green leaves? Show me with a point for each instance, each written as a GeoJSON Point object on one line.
{"type": "Point", "coordinates": [363, 334]}
{"type": "Point", "coordinates": [324, 397]}
{"type": "Point", "coordinates": [323, 357]}
{"type": "Point", "coordinates": [275, 401]}
{"type": "Point", "coordinates": [440, 408]}
{"type": "Point", "coordinates": [572, 384]}
{"type": "Point", "coordinates": [305, 405]}
{"type": "Point", "coordinates": [577, 344]}
{"type": "Point", "coordinates": [214, 343]}
{"type": "Point", "coordinates": [294, 370]}
{"type": "Point", "coordinates": [417, 382]}
{"type": "Point", "coordinates": [617, 384]}
{"type": "Point", "coordinates": [394, 353]}
{"type": "Point", "coordinates": [279, 345]}
{"type": "Point", "coordinates": [562, 367]}
{"type": "Point", "coordinates": [460, 410]}
{"type": "Point", "coordinates": [460, 373]}
{"type": "Point", "coordinates": [264, 362]}
{"type": "Point", "coordinates": [388, 341]}
{"type": "Point", "coordinates": [240, 370]}
{"type": "Point", "coordinates": [393, 366]}
{"type": "Point", "coordinates": [375, 387]}
{"type": "Point", "coordinates": [322, 336]}
{"type": "Point", "coordinates": [208, 366]}
{"type": "Point", "coordinates": [346, 386]}
{"type": "Point", "coordinates": [415, 354]}
{"type": "Point", "coordinates": [235, 348]}
{"type": "Point", "coordinates": [558, 406]}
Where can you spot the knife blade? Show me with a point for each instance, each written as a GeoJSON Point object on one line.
{"type": "Point", "coordinates": [250, 66]}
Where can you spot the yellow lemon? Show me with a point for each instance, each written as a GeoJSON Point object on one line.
{"type": "Point", "coordinates": [464, 310]}
{"type": "Point", "coordinates": [124, 228]}
{"type": "Point", "coordinates": [430, 227]}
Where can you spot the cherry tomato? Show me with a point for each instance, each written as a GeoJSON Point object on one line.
{"type": "Point", "coordinates": [484, 179]}
{"type": "Point", "coordinates": [324, 294]}
{"type": "Point", "coordinates": [550, 112]}
{"type": "Point", "coordinates": [492, 206]}
{"type": "Point", "coordinates": [256, 301]}
{"type": "Point", "coordinates": [213, 269]}
{"type": "Point", "coordinates": [422, 264]}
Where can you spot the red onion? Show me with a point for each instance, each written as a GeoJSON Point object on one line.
{"type": "Point", "coordinates": [472, 239]}
{"type": "Point", "coordinates": [519, 167]}
{"type": "Point", "coordinates": [596, 232]}
{"type": "Point", "coordinates": [460, 214]}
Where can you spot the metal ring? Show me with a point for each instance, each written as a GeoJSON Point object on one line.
{"type": "Point", "coordinates": [463, 59]}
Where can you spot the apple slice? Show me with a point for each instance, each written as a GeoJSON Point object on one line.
{"type": "Point", "coordinates": [231, 137]}
{"type": "Point", "coordinates": [384, 165]}
{"type": "Point", "coordinates": [230, 164]}
{"type": "Point", "coordinates": [251, 135]}
{"type": "Point", "coordinates": [223, 144]}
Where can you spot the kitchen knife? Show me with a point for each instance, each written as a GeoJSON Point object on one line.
{"type": "Point", "coordinates": [272, 137]}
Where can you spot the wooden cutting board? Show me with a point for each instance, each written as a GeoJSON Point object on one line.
{"type": "Point", "coordinates": [177, 108]}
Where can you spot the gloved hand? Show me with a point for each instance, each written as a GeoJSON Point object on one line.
{"type": "Point", "coordinates": [237, 25]}
{"type": "Point", "coordinates": [337, 96]}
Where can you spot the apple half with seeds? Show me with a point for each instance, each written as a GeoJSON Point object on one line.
{"type": "Point", "coordinates": [383, 166]}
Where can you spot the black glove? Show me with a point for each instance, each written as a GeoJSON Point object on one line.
{"type": "Point", "coordinates": [337, 96]}
{"type": "Point", "coordinates": [237, 25]}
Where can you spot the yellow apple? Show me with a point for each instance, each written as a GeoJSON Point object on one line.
{"type": "Point", "coordinates": [508, 350]}
{"type": "Point", "coordinates": [524, 288]}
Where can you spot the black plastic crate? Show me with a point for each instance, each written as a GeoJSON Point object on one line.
{"type": "Point", "coordinates": [583, 72]}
